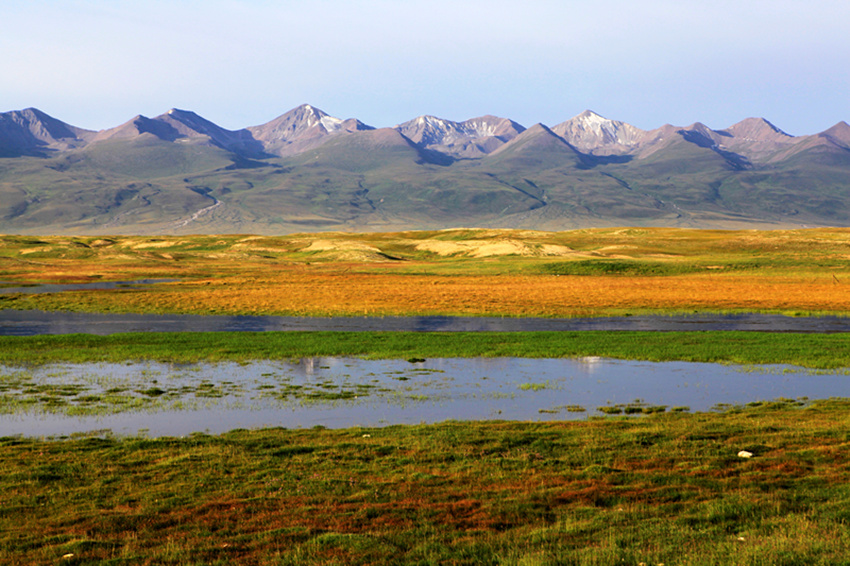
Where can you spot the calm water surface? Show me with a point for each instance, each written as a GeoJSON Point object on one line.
{"type": "Point", "coordinates": [346, 392]}
{"type": "Point", "coordinates": [32, 323]}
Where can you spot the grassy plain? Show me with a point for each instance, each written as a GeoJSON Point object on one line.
{"type": "Point", "coordinates": [454, 272]}
{"type": "Point", "coordinates": [664, 488]}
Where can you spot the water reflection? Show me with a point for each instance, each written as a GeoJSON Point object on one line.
{"type": "Point", "coordinates": [345, 392]}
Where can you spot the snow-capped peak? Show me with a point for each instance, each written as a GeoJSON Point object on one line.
{"type": "Point", "coordinates": [598, 124]}
{"type": "Point", "coordinates": [591, 118]}
{"type": "Point", "coordinates": [589, 132]}
{"type": "Point", "coordinates": [430, 130]}
{"type": "Point", "coordinates": [434, 122]}
{"type": "Point", "coordinates": [313, 116]}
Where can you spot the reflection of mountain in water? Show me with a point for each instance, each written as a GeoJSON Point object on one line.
{"type": "Point", "coordinates": [31, 323]}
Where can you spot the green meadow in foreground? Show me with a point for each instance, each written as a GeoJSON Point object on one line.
{"type": "Point", "coordinates": [663, 488]}
{"type": "Point", "coordinates": [807, 350]}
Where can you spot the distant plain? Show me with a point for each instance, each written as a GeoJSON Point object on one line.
{"type": "Point", "coordinates": [591, 272]}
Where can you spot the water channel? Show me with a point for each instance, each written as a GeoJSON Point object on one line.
{"type": "Point", "coordinates": [31, 323]}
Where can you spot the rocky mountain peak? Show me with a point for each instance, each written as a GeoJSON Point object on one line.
{"type": "Point", "coordinates": [537, 136]}
{"type": "Point", "coordinates": [302, 128]}
{"type": "Point", "coordinates": [189, 123]}
{"type": "Point", "coordinates": [429, 130]}
{"type": "Point", "coordinates": [304, 119]}
{"type": "Point", "coordinates": [489, 125]}
{"type": "Point", "coordinates": [471, 138]}
{"type": "Point", "coordinates": [307, 170]}
{"type": "Point", "coordinates": [756, 129]}
{"type": "Point", "coordinates": [31, 131]}
{"type": "Point", "coordinates": [593, 133]}
{"type": "Point", "coordinates": [839, 132]}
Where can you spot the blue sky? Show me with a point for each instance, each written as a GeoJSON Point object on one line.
{"type": "Point", "coordinates": [97, 63]}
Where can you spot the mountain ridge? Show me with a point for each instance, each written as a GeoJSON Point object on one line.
{"type": "Point", "coordinates": [471, 138]}
{"type": "Point", "coordinates": [588, 131]}
{"type": "Point", "coordinates": [306, 169]}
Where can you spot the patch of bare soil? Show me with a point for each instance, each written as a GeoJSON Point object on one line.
{"type": "Point", "coordinates": [489, 248]}
{"type": "Point", "coordinates": [346, 250]}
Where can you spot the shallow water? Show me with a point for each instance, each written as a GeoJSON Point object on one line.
{"type": "Point", "coordinates": [31, 323]}
{"type": "Point", "coordinates": [344, 392]}
{"type": "Point", "coordinates": [7, 287]}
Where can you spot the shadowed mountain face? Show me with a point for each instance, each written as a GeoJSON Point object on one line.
{"type": "Point", "coordinates": [307, 170]}
{"type": "Point", "coordinates": [32, 132]}
{"type": "Point", "coordinates": [185, 127]}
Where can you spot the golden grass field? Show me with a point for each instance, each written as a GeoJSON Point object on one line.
{"type": "Point", "coordinates": [454, 272]}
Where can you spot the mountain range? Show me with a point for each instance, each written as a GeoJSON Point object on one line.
{"type": "Point", "coordinates": [308, 171]}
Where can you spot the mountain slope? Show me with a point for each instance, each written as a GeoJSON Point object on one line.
{"type": "Point", "coordinates": [306, 170]}
{"type": "Point", "coordinates": [537, 147]}
{"type": "Point", "coordinates": [828, 148]}
{"type": "Point", "coordinates": [32, 132]}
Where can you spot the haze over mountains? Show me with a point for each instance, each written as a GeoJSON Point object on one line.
{"type": "Point", "coordinates": [307, 171]}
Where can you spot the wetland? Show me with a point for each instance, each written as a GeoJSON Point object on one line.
{"type": "Point", "coordinates": [160, 399]}
{"type": "Point", "coordinates": [576, 444]}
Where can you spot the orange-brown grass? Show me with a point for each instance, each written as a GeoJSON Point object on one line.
{"type": "Point", "coordinates": [300, 292]}
{"type": "Point", "coordinates": [402, 274]}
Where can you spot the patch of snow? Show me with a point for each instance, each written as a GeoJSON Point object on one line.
{"type": "Point", "coordinates": [480, 129]}
{"type": "Point", "coordinates": [593, 119]}
{"type": "Point", "coordinates": [330, 123]}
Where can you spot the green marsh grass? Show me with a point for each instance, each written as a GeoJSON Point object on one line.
{"type": "Point", "coordinates": [826, 351]}
{"type": "Point", "coordinates": [665, 488]}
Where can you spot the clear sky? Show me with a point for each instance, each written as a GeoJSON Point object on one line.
{"type": "Point", "coordinates": [97, 63]}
